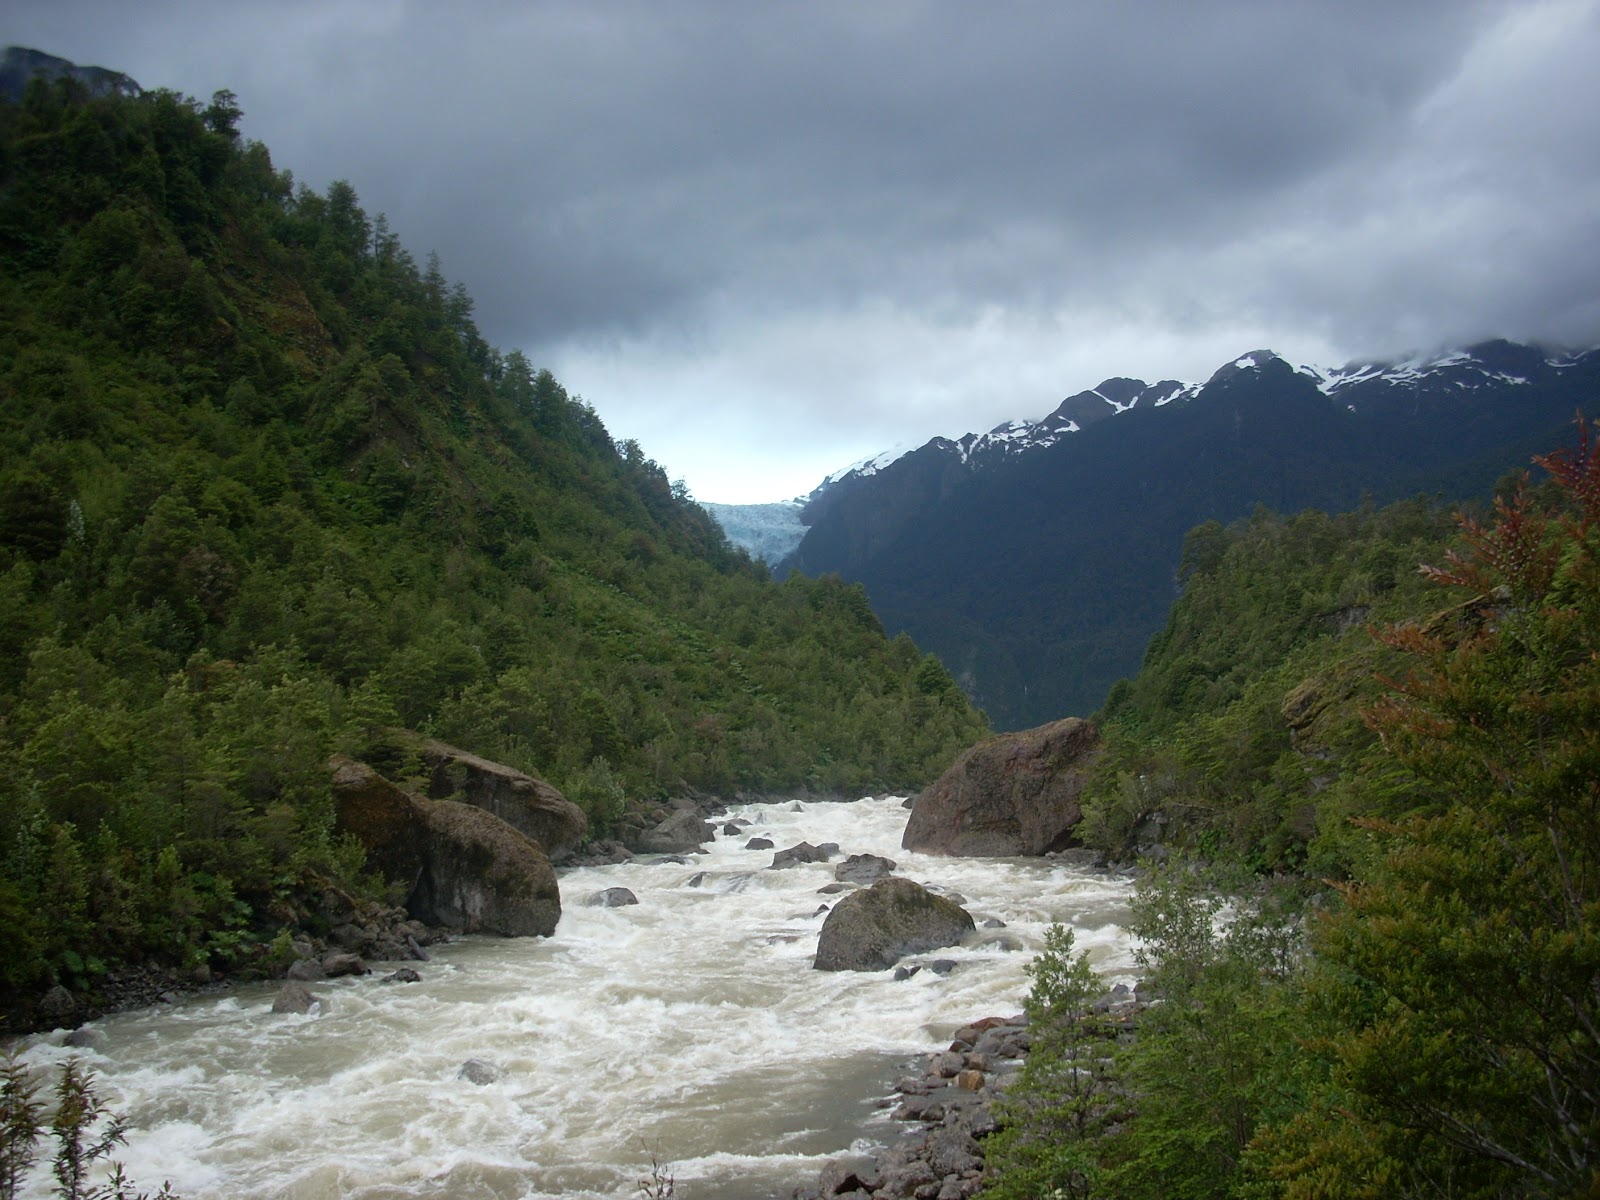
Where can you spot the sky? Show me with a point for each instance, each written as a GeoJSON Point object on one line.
{"type": "Point", "coordinates": [769, 238]}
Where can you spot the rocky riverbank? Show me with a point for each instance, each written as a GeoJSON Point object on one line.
{"type": "Point", "coordinates": [951, 1108]}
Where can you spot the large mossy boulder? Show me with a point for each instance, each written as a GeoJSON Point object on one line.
{"type": "Point", "coordinates": [460, 866]}
{"type": "Point", "coordinates": [1012, 794]}
{"type": "Point", "coordinates": [525, 802]}
{"type": "Point", "coordinates": [874, 928]}
{"type": "Point", "coordinates": [482, 876]}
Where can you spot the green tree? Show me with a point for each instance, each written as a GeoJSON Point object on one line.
{"type": "Point", "coordinates": [1458, 983]}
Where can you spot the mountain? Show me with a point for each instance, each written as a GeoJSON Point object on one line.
{"type": "Point", "coordinates": [267, 495]}
{"type": "Point", "coordinates": [1037, 559]}
{"type": "Point", "coordinates": [19, 66]}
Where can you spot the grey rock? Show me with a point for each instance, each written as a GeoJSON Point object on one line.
{"type": "Point", "coordinates": [295, 997]}
{"type": "Point", "coordinates": [57, 1008]}
{"type": "Point", "coordinates": [336, 965]}
{"type": "Point", "coordinates": [306, 970]}
{"type": "Point", "coordinates": [403, 975]}
{"type": "Point", "coordinates": [800, 852]}
{"type": "Point", "coordinates": [1011, 794]}
{"type": "Point", "coordinates": [758, 843]}
{"type": "Point", "coordinates": [872, 929]}
{"type": "Point", "coordinates": [611, 897]}
{"type": "Point", "coordinates": [863, 868]}
{"type": "Point", "coordinates": [84, 1038]}
{"type": "Point", "coordinates": [479, 1072]}
{"type": "Point", "coordinates": [679, 833]}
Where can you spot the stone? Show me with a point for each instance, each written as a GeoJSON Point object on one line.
{"type": "Point", "coordinates": [855, 1173]}
{"type": "Point", "coordinates": [800, 852]}
{"type": "Point", "coordinates": [337, 965]}
{"type": "Point", "coordinates": [832, 889]}
{"type": "Point", "coordinates": [758, 843]}
{"type": "Point", "coordinates": [872, 929]}
{"type": "Point", "coordinates": [306, 970]}
{"type": "Point", "coordinates": [480, 875]}
{"type": "Point", "coordinates": [57, 1008]}
{"type": "Point", "coordinates": [611, 897]}
{"type": "Point", "coordinates": [385, 820]}
{"type": "Point", "coordinates": [525, 802]}
{"type": "Point", "coordinates": [403, 975]}
{"type": "Point", "coordinates": [479, 1072]}
{"type": "Point", "coordinates": [863, 868]}
{"type": "Point", "coordinates": [295, 997]}
{"type": "Point", "coordinates": [681, 832]}
{"type": "Point", "coordinates": [1011, 794]}
{"type": "Point", "coordinates": [84, 1038]}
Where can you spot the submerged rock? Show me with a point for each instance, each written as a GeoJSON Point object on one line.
{"type": "Point", "coordinates": [872, 929]}
{"type": "Point", "coordinates": [611, 897]}
{"type": "Point", "coordinates": [479, 1072]}
{"type": "Point", "coordinates": [1012, 794]}
{"type": "Point", "coordinates": [295, 997]}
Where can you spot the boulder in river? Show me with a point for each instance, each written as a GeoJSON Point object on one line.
{"type": "Point", "coordinates": [863, 868]}
{"type": "Point", "coordinates": [58, 1008]}
{"type": "Point", "coordinates": [1012, 794]}
{"type": "Point", "coordinates": [482, 876]}
{"type": "Point", "coordinates": [611, 897]}
{"type": "Point", "coordinates": [295, 997]}
{"type": "Point", "coordinates": [680, 833]}
{"type": "Point", "coordinates": [802, 852]}
{"type": "Point", "coordinates": [461, 865]}
{"type": "Point", "coordinates": [525, 802]}
{"type": "Point", "coordinates": [872, 929]}
{"type": "Point", "coordinates": [477, 1071]}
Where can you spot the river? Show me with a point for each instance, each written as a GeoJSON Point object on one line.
{"type": "Point", "coordinates": [690, 1026]}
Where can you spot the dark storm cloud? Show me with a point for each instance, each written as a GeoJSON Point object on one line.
{"type": "Point", "coordinates": [879, 193]}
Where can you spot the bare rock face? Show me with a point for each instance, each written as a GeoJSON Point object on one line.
{"type": "Point", "coordinates": [461, 865]}
{"type": "Point", "coordinates": [480, 875]}
{"type": "Point", "coordinates": [872, 929]}
{"type": "Point", "coordinates": [1012, 794]}
{"type": "Point", "coordinates": [524, 802]}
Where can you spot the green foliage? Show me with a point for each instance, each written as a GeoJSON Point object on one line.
{"type": "Point", "coordinates": [1436, 1034]}
{"type": "Point", "coordinates": [1064, 1100]}
{"type": "Point", "coordinates": [266, 492]}
{"type": "Point", "coordinates": [1458, 985]}
{"type": "Point", "coordinates": [1243, 728]}
{"type": "Point", "coordinates": [84, 1130]}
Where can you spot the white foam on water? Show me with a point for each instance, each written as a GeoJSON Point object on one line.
{"type": "Point", "coordinates": [691, 1025]}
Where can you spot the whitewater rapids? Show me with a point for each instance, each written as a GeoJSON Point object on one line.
{"type": "Point", "coordinates": [690, 1026]}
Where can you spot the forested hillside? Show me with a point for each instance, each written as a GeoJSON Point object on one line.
{"type": "Point", "coordinates": [1371, 744]}
{"type": "Point", "coordinates": [267, 494]}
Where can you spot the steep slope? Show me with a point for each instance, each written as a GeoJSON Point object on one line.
{"type": "Point", "coordinates": [1036, 560]}
{"type": "Point", "coordinates": [266, 494]}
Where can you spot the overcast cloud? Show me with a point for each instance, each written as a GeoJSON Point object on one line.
{"type": "Point", "coordinates": [767, 239]}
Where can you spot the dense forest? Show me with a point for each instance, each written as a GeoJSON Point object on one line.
{"type": "Point", "coordinates": [266, 494]}
{"type": "Point", "coordinates": [1375, 946]}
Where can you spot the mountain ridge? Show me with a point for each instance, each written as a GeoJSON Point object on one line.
{"type": "Point", "coordinates": [979, 546]}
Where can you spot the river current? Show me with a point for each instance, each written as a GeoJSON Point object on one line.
{"type": "Point", "coordinates": [690, 1026]}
